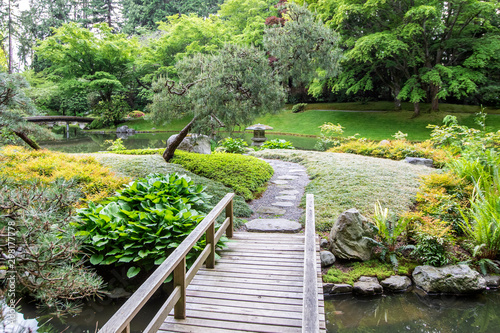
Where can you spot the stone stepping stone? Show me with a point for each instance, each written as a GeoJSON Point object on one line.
{"type": "Point", "coordinates": [279, 182]}
{"type": "Point", "coordinates": [296, 170]}
{"type": "Point", "coordinates": [286, 187]}
{"type": "Point", "coordinates": [283, 204]}
{"type": "Point", "coordinates": [289, 192]}
{"type": "Point", "coordinates": [270, 210]}
{"type": "Point", "coordinates": [286, 197]}
{"type": "Point", "coordinates": [273, 225]}
{"type": "Point", "coordinates": [288, 177]}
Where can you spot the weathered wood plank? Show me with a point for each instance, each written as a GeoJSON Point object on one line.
{"type": "Point", "coordinates": [260, 305]}
{"type": "Point", "coordinates": [243, 318]}
{"type": "Point", "coordinates": [245, 291]}
{"type": "Point", "coordinates": [164, 311]}
{"type": "Point", "coordinates": [263, 262]}
{"type": "Point", "coordinates": [259, 286]}
{"type": "Point", "coordinates": [262, 275]}
{"type": "Point", "coordinates": [252, 298]}
{"type": "Point", "coordinates": [213, 308]}
{"type": "Point", "coordinates": [261, 266]}
{"type": "Point", "coordinates": [245, 327]}
{"type": "Point", "coordinates": [221, 278]}
{"type": "Point", "coordinates": [310, 317]}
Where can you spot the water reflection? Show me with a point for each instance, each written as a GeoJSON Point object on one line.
{"type": "Point", "coordinates": [414, 312]}
{"type": "Point", "coordinates": [84, 142]}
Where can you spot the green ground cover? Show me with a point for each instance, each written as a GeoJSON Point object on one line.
{"type": "Point", "coordinates": [343, 181]}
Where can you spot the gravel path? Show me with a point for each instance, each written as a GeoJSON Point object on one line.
{"type": "Point", "coordinates": [283, 195]}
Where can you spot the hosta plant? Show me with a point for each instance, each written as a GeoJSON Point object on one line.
{"type": "Point", "coordinates": [142, 224]}
{"type": "Point", "coordinates": [277, 144]}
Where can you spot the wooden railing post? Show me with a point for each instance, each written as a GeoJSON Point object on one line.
{"type": "Point", "coordinates": [210, 239]}
{"type": "Point", "coordinates": [229, 213]}
{"type": "Point", "coordinates": [180, 280]}
{"type": "Point", "coordinates": [310, 307]}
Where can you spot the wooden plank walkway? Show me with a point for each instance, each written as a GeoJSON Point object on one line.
{"type": "Point", "coordinates": [256, 286]}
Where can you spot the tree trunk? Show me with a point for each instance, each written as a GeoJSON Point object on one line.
{"type": "Point", "coordinates": [397, 101]}
{"type": "Point", "coordinates": [170, 150]}
{"type": "Point", "coordinates": [9, 66]}
{"type": "Point", "coordinates": [28, 141]}
{"type": "Point", "coordinates": [433, 89]}
{"type": "Point", "coordinates": [416, 109]}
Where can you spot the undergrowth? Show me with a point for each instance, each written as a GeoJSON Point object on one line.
{"type": "Point", "coordinates": [368, 268]}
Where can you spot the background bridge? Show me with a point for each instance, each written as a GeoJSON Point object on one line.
{"type": "Point", "coordinates": [261, 283]}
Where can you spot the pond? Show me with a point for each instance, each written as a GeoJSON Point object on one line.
{"type": "Point", "coordinates": [414, 312]}
{"type": "Point", "coordinates": [89, 142]}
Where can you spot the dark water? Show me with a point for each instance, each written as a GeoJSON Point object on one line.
{"type": "Point", "coordinates": [83, 142]}
{"type": "Point", "coordinates": [414, 312]}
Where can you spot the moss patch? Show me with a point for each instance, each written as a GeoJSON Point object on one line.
{"type": "Point", "coordinates": [351, 272]}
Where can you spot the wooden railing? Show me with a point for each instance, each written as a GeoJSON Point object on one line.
{"type": "Point", "coordinates": [176, 263]}
{"type": "Point", "coordinates": [310, 315]}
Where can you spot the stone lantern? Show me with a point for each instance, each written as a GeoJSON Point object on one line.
{"type": "Point", "coordinates": [259, 133]}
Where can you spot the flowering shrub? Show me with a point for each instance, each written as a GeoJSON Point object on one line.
{"type": "Point", "coordinates": [136, 114]}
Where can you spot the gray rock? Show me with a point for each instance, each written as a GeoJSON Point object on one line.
{"type": "Point", "coordinates": [271, 210]}
{"type": "Point", "coordinates": [118, 293]}
{"type": "Point", "coordinates": [453, 279]}
{"type": "Point", "coordinates": [195, 143]}
{"type": "Point", "coordinates": [327, 288]}
{"type": "Point", "coordinates": [279, 182]}
{"type": "Point", "coordinates": [323, 243]}
{"type": "Point", "coordinates": [283, 204]}
{"type": "Point", "coordinates": [492, 281]}
{"type": "Point", "coordinates": [384, 143]}
{"type": "Point", "coordinates": [287, 177]}
{"type": "Point", "coordinates": [341, 288]}
{"type": "Point", "coordinates": [396, 283]}
{"type": "Point", "coordinates": [296, 170]}
{"type": "Point", "coordinates": [346, 237]}
{"type": "Point", "coordinates": [327, 258]}
{"type": "Point", "coordinates": [367, 286]}
{"type": "Point", "coordinates": [286, 197]}
{"type": "Point", "coordinates": [125, 129]}
{"type": "Point", "coordinates": [289, 192]}
{"type": "Point", "coordinates": [273, 225]}
{"type": "Point", "coordinates": [419, 161]}
{"type": "Point", "coordinates": [3, 274]}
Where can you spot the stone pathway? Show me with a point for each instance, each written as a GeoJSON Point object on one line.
{"type": "Point", "coordinates": [277, 210]}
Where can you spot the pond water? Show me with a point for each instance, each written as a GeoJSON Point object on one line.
{"type": "Point", "coordinates": [85, 142]}
{"type": "Point", "coordinates": [414, 312]}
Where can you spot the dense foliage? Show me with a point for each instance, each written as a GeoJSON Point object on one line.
{"type": "Point", "coordinates": [143, 223]}
{"type": "Point", "coordinates": [246, 175]}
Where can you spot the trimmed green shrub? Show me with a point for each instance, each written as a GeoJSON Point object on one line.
{"type": "Point", "coordinates": [246, 175]}
{"type": "Point", "coordinates": [277, 144]}
{"type": "Point", "coordinates": [143, 223]}
{"type": "Point", "coordinates": [299, 107]}
{"type": "Point", "coordinates": [234, 146]}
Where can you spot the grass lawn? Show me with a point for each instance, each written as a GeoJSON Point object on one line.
{"type": "Point", "coordinates": [343, 181]}
{"type": "Point", "coordinates": [371, 125]}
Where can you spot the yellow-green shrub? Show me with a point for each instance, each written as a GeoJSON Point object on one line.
{"type": "Point", "coordinates": [95, 181]}
{"type": "Point", "coordinates": [395, 150]}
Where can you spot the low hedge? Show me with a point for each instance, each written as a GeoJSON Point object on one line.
{"type": "Point", "coordinates": [394, 150]}
{"type": "Point", "coordinates": [246, 175]}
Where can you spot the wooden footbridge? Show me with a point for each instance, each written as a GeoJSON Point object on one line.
{"type": "Point", "coordinates": [262, 283]}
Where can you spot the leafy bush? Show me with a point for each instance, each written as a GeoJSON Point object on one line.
{"type": "Point", "coordinates": [97, 123]}
{"type": "Point", "coordinates": [246, 175]}
{"type": "Point", "coordinates": [387, 233]}
{"type": "Point", "coordinates": [135, 114]}
{"type": "Point", "coordinates": [299, 107]}
{"type": "Point", "coordinates": [96, 181]}
{"type": "Point", "coordinates": [277, 144]}
{"type": "Point", "coordinates": [116, 145]}
{"type": "Point", "coordinates": [46, 264]}
{"type": "Point", "coordinates": [395, 150]}
{"type": "Point", "coordinates": [433, 238]}
{"type": "Point", "coordinates": [143, 223]}
{"type": "Point", "coordinates": [233, 146]}
{"type": "Point", "coordinates": [330, 136]}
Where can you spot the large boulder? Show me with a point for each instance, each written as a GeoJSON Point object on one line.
{"type": "Point", "coordinates": [419, 161]}
{"type": "Point", "coordinates": [346, 237]}
{"type": "Point", "coordinates": [453, 279]}
{"type": "Point", "coordinates": [367, 286]}
{"type": "Point", "coordinates": [396, 283]}
{"type": "Point", "coordinates": [194, 143]}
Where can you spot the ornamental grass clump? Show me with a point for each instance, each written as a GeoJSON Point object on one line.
{"type": "Point", "coordinates": [143, 223]}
